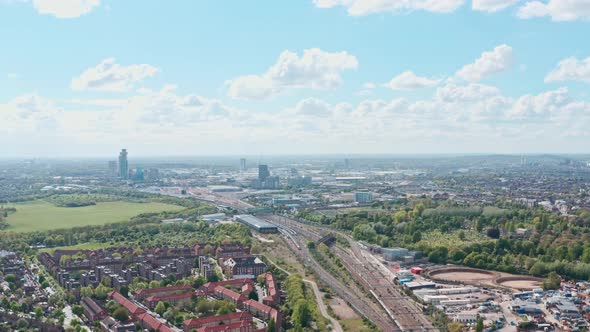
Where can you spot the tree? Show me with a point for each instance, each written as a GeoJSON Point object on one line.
{"type": "Point", "coordinates": [417, 237]}
{"type": "Point", "coordinates": [479, 326]}
{"type": "Point", "coordinates": [301, 314]}
{"type": "Point", "coordinates": [22, 324]}
{"type": "Point", "coordinates": [461, 235]}
{"type": "Point", "coordinates": [272, 326]}
{"type": "Point", "coordinates": [160, 308]}
{"type": "Point", "coordinates": [226, 308]}
{"type": "Point", "coordinates": [77, 310]}
{"type": "Point", "coordinates": [86, 291]}
{"type": "Point", "coordinates": [121, 314]}
{"type": "Point", "coordinates": [38, 312]}
{"type": "Point", "coordinates": [124, 290]}
{"type": "Point", "coordinates": [253, 295]}
{"type": "Point", "coordinates": [155, 284]}
{"type": "Point", "coordinates": [553, 281]}
{"type": "Point", "coordinates": [493, 233]}
{"type": "Point", "coordinates": [455, 327]}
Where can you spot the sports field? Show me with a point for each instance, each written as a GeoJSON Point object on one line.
{"type": "Point", "coordinates": [40, 215]}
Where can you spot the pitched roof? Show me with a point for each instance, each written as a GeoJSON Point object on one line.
{"type": "Point", "coordinates": [242, 315]}
{"type": "Point", "coordinates": [133, 308]}
{"type": "Point", "coordinates": [92, 306]}
{"type": "Point", "coordinates": [229, 293]}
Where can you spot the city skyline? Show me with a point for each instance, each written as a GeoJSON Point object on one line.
{"type": "Point", "coordinates": [84, 77]}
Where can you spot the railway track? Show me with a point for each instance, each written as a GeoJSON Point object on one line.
{"type": "Point", "coordinates": [400, 311]}
{"type": "Point", "coordinates": [297, 239]}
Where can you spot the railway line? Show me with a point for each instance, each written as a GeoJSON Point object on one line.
{"type": "Point", "coordinates": [391, 311]}
{"type": "Point", "coordinates": [297, 238]}
{"type": "Point", "coordinates": [402, 311]}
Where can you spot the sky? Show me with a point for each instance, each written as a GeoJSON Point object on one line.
{"type": "Point", "coordinates": [165, 78]}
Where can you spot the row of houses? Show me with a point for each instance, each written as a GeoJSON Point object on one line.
{"type": "Point", "coordinates": [221, 290]}
{"type": "Point", "coordinates": [138, 314]}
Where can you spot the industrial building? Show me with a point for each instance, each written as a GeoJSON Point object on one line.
{"type": "Point", "coordinates": [363, 197]}
{"type": "Point", "coordinates": [259, 225]}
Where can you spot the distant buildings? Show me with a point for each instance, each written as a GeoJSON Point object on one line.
{"type": "Point", "coordinates": [259, 225]}
{"type": "Point", "coordinates": [123, 165]}
{"type": "Point", "coordinates": [243, 164]}
{"type": "Point", "coordinates": [363, 197]}
{"type": "Point", "coordinates": [113, 167]}
{"type": "Point", "coordinates": [265, 180]}
{"type": "Point", "coordinates": [263, 172]}
{"type": "Point", "coordinates": [300, 181]}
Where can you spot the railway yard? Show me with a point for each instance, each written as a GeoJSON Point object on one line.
{"type": "Point", "coordinates": [378, 298]}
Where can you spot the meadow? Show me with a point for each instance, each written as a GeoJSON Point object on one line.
{"type": "Point", "coordinates": [41, 215]}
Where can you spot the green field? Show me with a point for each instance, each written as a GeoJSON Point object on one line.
{"type": "Point", "coordinates": [41, 215]}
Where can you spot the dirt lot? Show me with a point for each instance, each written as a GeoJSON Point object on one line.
{"type": "Point", "coordinates": [486, 278]}
{"type": "Point", "coordinates": [465, 276]}
{"type": "Point", "coordinates": [341, 309]}
{"type": "Point", "coordinates": [522, 284]}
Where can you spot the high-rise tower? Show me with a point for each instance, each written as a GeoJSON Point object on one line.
{"type": "Point", "coordinates": [123, 165]}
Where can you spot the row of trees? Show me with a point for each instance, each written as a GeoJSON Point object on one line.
{"type": "Point", "coordinates": [555, 243]}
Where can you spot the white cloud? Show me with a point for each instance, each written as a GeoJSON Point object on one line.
{"type": "Point", "coordinates": [315, 69]}
{"type": "Point", "coordinates": [313, 107]}
{"type": "Point", "coordinates": [533, 106]}
{"type": "Point", "coordinates": [410, 81]}
{"type": "Point", "coordinates": [570, 69]}
{"type": "Point", "coordinates": [65, 8]}
{"type": "Point", "coordinates": [490, 62]}
{"type": "Point", "coordinates": [29, 112]}
{"type": "Point", "coordinates": [492, 6]}
{"type": "Point", "coordinates": [472, 92]}
{"type": "Point", "coordinates": [558, 10]}
{"type": "Point", "coordinates": [111, 76]}
{"type": "Point", "coordinates": [367, 7]}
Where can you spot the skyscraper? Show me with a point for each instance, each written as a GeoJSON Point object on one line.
{"type": "Point", "coordinates": [263, 172]}
{"type": "Point", "coordinates": [113, 167]}
{"type": "Point", "coordinates": [123, 165]}
{"type": "Point", "coordinates": [243, 164]}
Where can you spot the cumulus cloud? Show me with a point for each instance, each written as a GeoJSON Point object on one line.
{"type": "Point", "coordinates": [313, 107]}
{"type": "Point", "coordinates": [29, 112]}
{"type": "Point", "coordinates": [367, 7]}
{"type": "Point", "coordinates": [315, 69]}
{"type": "Point", "coordinates": [111, 76]}
{"type": "Point", "coordinates": [532, 106]}
{"type": "Point", "coordinates": [558, 10]}
{"type": "Point", "coordinates": [570, 69]}
{"type": "Point", "coordinates": [65, 8]}
{"type": "Point", "coordinates": [490, 62]}
{"type": "Point", "coordinates": [167, 108]}
{"type": "Point", "coordinates": [492, 6]}
{"type": "Point", "coordinates": [410, 81]}
{"type": "Point", "coordinates": [472, 92]}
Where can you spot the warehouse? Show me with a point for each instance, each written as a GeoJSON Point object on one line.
{"type": "Point", "coordinates": [259, 225]}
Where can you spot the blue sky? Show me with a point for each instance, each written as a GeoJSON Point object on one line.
{"type": "Point", "coordinates": [87, 77]}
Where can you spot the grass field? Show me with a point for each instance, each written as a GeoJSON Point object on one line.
{"type": "Point", "coordinates": [40, 215]}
